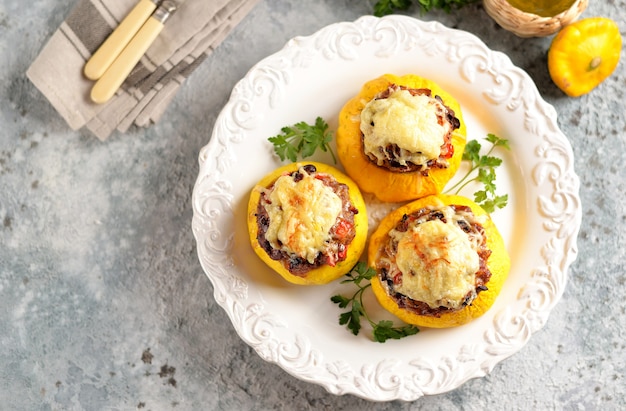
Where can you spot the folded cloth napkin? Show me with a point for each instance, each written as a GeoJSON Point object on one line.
{"type": "Point", "coordinates": [188, 37]}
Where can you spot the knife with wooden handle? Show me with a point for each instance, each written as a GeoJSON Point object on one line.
{"type": "Point", "coordinates": [114, 76]}
{"type": "Point", "coordinates": [100, 61]}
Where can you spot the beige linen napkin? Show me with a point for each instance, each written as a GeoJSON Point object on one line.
{"type": "Point", "coordinates": [188, 37]}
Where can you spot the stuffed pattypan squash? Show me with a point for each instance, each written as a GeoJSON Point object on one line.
{"type": "Point", "coordinates": [308, 222]}
{"type": "Point", "coordinates": [440, 261]}
{"type": "Point", "coordinates": [401, 138]}
{"type": "Point", "coordinates": [583, 54]}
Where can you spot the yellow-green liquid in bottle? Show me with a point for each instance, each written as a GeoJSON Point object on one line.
{"type": "Point", "coordinates": [543, 8]}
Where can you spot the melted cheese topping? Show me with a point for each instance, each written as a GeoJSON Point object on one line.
{"type": "Point", "coordinates": [410, 122]}
{"type": "Point", "coordinates": [438, 263]}
{"type": "Point", "coordinates": [301, 215]}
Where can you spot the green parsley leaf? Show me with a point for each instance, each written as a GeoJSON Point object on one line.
{"type": "Point", "coordinates": [489, 161]}
{"type": "Point", "coordinates": [303, 139]}
{"type": "Point", "coordinates": [497, 202]}
{"type": "Point", "coordinates": [487, 176]}
{"type": "Point", "coordinates": [360, 272]}
{"type": "Point", "coordinates": [384, 7]}
{"type": "Point", "coordinates": [497, 141]}
{"type": "Point", "coordinates": [482, 170]}
{"type": "Point", "coordinates": [341, 300]}
{"type": "Point", "coordinates": [472, 151]}
{"type": "Point", "coordinates": [383, 330]}
{"type": "Point", "coordinates": [480, 196]}
{"type": "Point", "coordinates": [352, 318]}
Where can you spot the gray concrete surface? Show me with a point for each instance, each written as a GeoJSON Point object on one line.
{"type": "Point", "coordinates": [104, 305]}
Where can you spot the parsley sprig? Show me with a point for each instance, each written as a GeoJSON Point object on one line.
{"type": "Point", "coordinates": [384, 7]}
{"type": "Point", "coordinates": [486, 165]}
{"type": "Point", "coordinates": [302, 139]}
{"type": "Point", "coordinates": [382, 330]}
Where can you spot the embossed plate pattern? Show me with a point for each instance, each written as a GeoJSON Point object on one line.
{"type": "Point", "coordinates": [296, 327]}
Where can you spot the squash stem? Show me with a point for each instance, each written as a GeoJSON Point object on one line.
{"type": "Point", "coordinates": [595, 63]}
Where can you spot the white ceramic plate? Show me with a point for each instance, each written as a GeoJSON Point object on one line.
{"type": "Point", "coordinates": [296, 327]}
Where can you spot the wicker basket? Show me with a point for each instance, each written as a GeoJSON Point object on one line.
{"type": "Point", "coordinates": [531, 25]}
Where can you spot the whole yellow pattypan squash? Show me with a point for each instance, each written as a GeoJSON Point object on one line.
{"type": "Point", "coordinates": [583, 54]}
